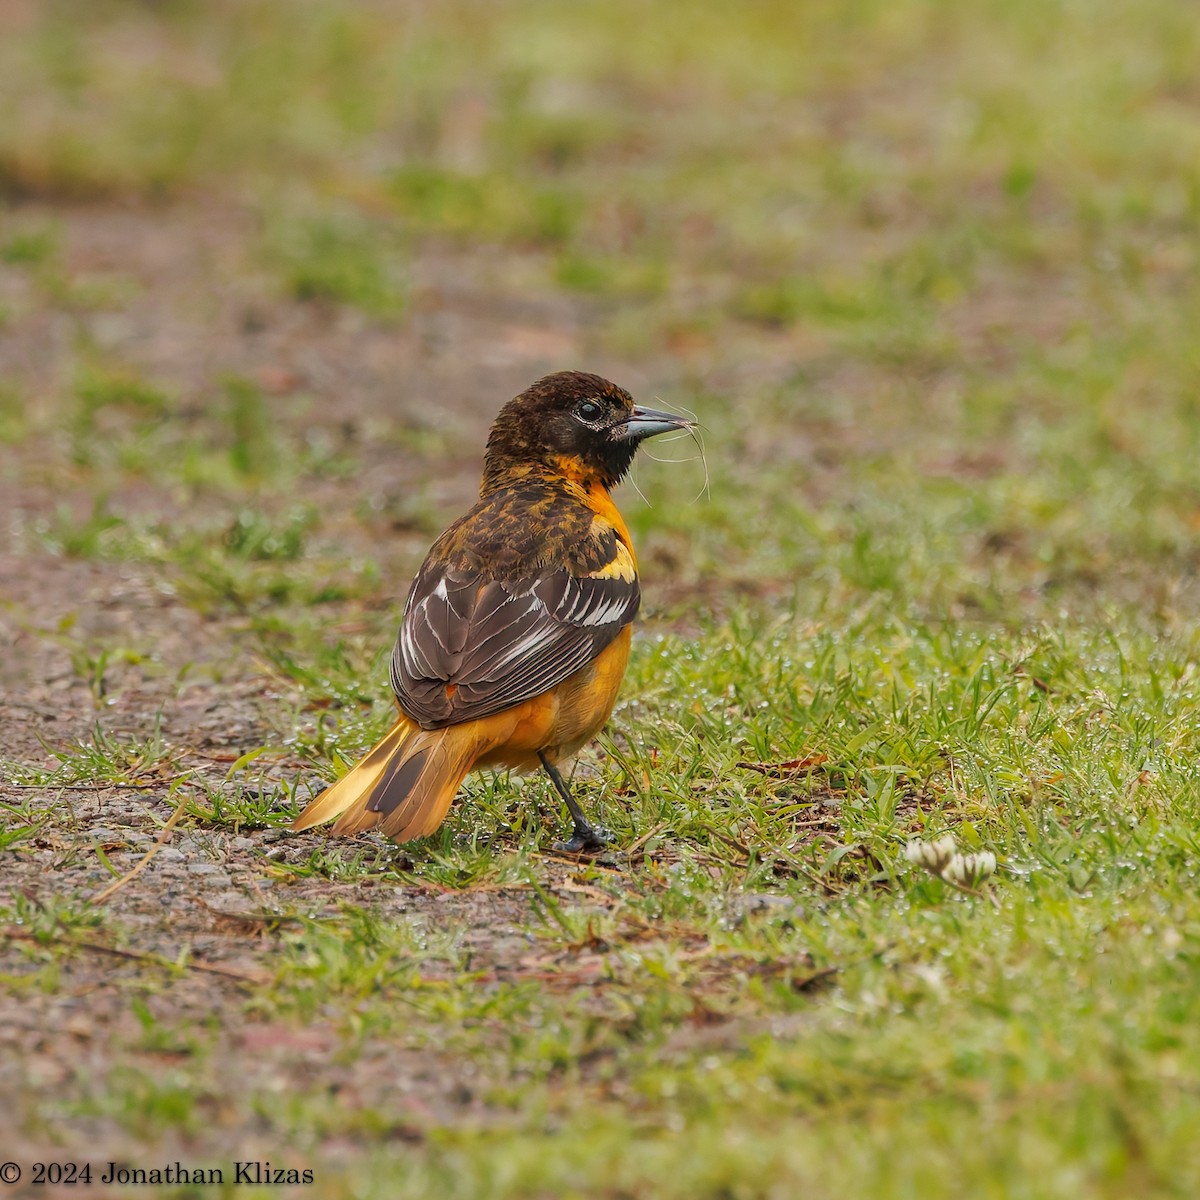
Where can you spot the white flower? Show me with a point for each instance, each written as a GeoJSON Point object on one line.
{"type": "Point", "coordinates": [933, 856]}
{"type": "Point", "coordinates": [970, 870]}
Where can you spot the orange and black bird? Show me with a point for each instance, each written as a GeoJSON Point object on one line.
{"type": "Point", "coordinates": [516, 630]}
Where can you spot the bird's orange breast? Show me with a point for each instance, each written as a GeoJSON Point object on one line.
{"type": "Point", "coordinates": [561, 720]}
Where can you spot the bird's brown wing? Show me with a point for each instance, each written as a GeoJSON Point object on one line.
{"type": "Point", "coordinates": [470, 647]}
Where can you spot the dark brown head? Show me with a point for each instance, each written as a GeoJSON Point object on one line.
{"type": "Point", "coordinates": [576, 423]}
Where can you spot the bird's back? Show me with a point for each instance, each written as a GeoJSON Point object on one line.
{"type": "Point", "coordinates": [535, 520]}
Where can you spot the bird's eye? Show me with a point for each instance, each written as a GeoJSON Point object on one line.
{"type": "Point", "coordinates": [589, 410]}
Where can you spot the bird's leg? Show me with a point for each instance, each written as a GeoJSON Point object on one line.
{"type": "Point", "coordinates": [587, 837]}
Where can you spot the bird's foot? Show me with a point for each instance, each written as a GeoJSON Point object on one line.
{"type": "Point", "coordinates": [586, 839]}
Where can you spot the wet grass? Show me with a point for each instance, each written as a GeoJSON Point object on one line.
{"type": "Point", "coordinates": [928, 277]}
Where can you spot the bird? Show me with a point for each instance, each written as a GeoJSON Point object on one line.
{"type": "Point", "coordinates": [516, 631]}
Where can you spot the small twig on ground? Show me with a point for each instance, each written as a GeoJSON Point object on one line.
{"type": "Point", "coordinates": [13, 934]}
{"type": "Point", "coordinates": [162, 839]}
{"type": "Point", "coordinates": [632, 850]}
{"type": "Point", "coordinates": [42, 710]}
{"type": "Point", "coordinates": [732, 843]}
{"type": "Point", "coordinates": [808, 982]}
{"type": "Point", "coordinates": [786, 770]}
{"type": "Point", "coordinates": [817, 977]}
{"type": "Point", "coordinates": [576, 860]}
{"type": "Point", "coordinates": [71, 787]}
{"type": "Point", "coordinates": [136, 785]}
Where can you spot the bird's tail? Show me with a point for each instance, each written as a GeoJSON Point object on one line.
{"type": "Point", "coordinates": [403, 787]}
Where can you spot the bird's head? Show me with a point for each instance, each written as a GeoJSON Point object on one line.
{"type": "Point", "coordinates": [575, 423]}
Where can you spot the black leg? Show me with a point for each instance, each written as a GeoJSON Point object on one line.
{"type": "Point", "coordinates": [587, 837]}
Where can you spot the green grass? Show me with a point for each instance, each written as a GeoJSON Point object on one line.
{"type": "Point", "coordinates": [695, 1025]}
{"type": "Point", "coordinates": [927, 274]}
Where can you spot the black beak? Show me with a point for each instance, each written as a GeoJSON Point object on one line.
{"type": "Point", "coordinates": [646, 422]}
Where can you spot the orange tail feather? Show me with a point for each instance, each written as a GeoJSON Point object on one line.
{"type": "Point", "coordinates": [403, 787]}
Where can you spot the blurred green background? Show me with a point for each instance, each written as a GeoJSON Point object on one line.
{"type": "Point", "coordinates": [927, 272]}
{"type": "Point", "coordinates": [935, 263]}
